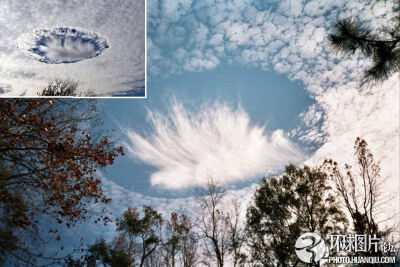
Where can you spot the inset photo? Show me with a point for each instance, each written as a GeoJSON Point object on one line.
{"type": "Point", "coordinates": [93, 48]}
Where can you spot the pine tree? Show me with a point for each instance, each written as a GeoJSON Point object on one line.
{"type": "Point", "coordinates": [382, 47]}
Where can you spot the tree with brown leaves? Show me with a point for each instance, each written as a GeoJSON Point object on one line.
{"type": "Point", "coordinates": [50, 151]}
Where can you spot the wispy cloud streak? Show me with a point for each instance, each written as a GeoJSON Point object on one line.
{"type": "Point", "coordinates": [219, 140]}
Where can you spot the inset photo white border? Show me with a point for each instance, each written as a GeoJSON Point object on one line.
{"type": "Point", "coordinates": [99, 46]}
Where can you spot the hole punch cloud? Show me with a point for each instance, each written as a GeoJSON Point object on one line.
{"type": "Point", "coordinates": [61, 45]}
{"type": "Point", "coordinates": [34, 27]}
{"type": "Point", "coordinates": [186, 147]}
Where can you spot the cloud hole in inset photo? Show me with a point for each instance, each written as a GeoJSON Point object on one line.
{"type": "Point", "coordinates": [61, 45]}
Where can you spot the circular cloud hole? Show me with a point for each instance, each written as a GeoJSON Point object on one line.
{"type": "Point", "coordinates": [61, 45]}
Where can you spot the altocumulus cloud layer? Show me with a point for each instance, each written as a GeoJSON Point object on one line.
{"type": "Point", "coordinates": [102, 40]}
{"type": "Point", "coordinates": [218, 140]}
{"type": "Point", "coordinates": [288, 37]}
{"type": "Point", "coordinates": [123, 198]}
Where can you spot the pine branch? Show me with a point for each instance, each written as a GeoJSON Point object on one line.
{"type": "Point", "coordinates": [348, 36]}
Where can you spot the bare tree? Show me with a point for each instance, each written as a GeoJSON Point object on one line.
{"type": "Point", "coordinates": [180, 241]}
{"type": "Point", "coordinates": [156, 258]}
{"type": "Point", "coordinates": [236, 235]}
{"type": "Point", "coordinates": [189, 256]}
{"type": "Point", "coordinates": [146, 241]}
{"type": "Point", "coordinates": [361, 190]}
{"type": "Point", "coordinates": [60, 87]}
{"type": "Point", "coordinates": [220, 229]}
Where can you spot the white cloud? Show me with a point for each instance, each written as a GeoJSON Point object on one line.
{"type": "Point", "coordinates": [218, 140]}
{"type": "Point", "coordinates": [343, 110]}
{"type": "Point", "coordinates": [290, 38]}
{"type": "Point", "coordinates": [123, 198]}
{"type": "Point", "coordinates": [292, 7]}
{"type": "Point", "coordinates": [199, 61]}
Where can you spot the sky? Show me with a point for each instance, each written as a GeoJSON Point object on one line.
{"type": "Point", "coordinates": [100, 43]}
{"type": "Point", "coordinates": [237, 90]}
{"type": "Point", "coordinates": [219, 110]}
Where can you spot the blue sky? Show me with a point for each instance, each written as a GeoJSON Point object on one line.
{"type": "Point", "coordinates": [237, 89]}
{"type": "Point", "coordinates": [264, 103]}
{"type": "Point", "coordinates": [248, 70]}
